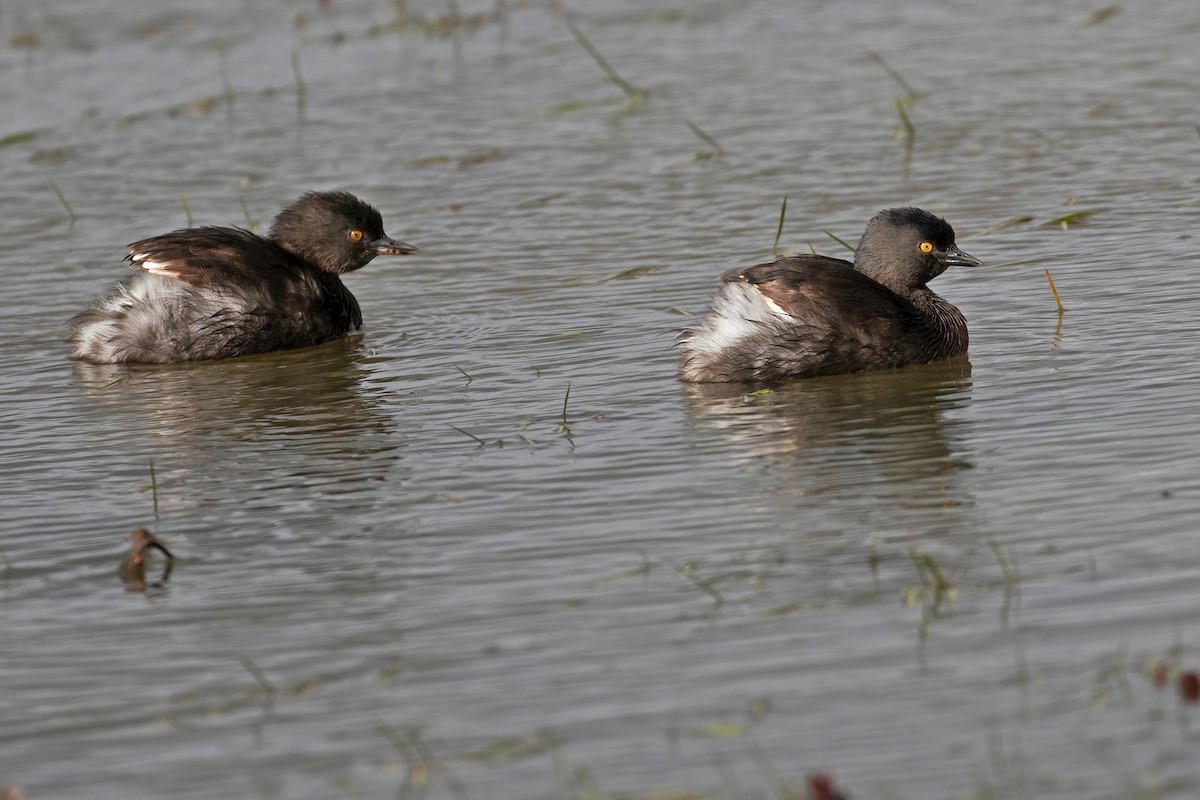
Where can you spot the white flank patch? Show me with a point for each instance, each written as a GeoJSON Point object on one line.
{"type": "Point", "coordinates": [738, 311]}
{"type": "Point", "coordinates": [154, 266]}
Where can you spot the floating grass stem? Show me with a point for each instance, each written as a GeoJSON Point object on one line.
{"type": "Point", "coordinates": [63, 199]}
{"type": "Point", "coordinates": [909, 91]}
{"type": "Point", "coordinates": [840, 241]}
{"type": "Point", "coordinates": [704, 137]}
{"type": "Point", "coordinates": [1074, 218]}
{"type": "Point", "coordinates": [779, 229]}
{"type": "Point", "coordinates": [154, 488]}
{"type": "Point", "coordinates": [298, 77]}
{"type": "Point", "coordinates": [1054, 291]}
{"type": "Point", "coordinates": [635, 93]}
{"type": "Point", "coordinates": [258, 675]}
{"type": "Point", "coordinates": [482, 443]}
{"type": "Point", "coordinates": [464, 373]}
{"type": "Point", "coordinates": [634, 272]}
{"type": "Point", "coordinates": [187, 210]}
{"type": "Point", "coordinates": [19, 137]}
{"type": "Point", "coordinates": [906, 131]}
{"type": "Point", "coordinates": [226, 85]}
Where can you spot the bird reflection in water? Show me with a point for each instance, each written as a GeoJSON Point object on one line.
{"type": "Point", "coordinates": [882, 441]}
{"type": "Point", "coordinates": [306, 394]}
{"type": "Point", "coordinates": [133, 568]}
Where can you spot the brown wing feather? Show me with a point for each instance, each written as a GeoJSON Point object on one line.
{"type": "Point", "coordinates": [212, 256]}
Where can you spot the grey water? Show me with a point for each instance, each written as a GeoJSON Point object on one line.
{"type": "Point", "coordinates": [410, 564]}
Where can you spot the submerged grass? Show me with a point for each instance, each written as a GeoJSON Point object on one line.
{"type": "Point", "coordinates": [19, 137]}
{"type": "Point", "coordinates": [909, 92]}
{"type": "Point", "coordinates": [1011, 573]}
{"type": "Point", "coordinates": [636, 94]}
{"type": "Point", "coordinates": [154, 488]}
{"type": "Point", "coordinates": [934, 583]}
{"type": "Point", "coordinates": [514, 749]}
{"type": "Point", "coordinates": [936, 588]}
{"type": "Point", "coordinates": [425, 753]}
{"type": "Point", "coordinates": [712, 155]}
{"type": "Point", "coordinates": [225, 84]}
{"type": "Point", "coordinates": [63, 199]}
{"type": "Point", "coordinates": [298, 77]}
{"type": "Point", "coordinates": [709, 140]}
{"type": "Point", "coordinates": [258, 675]}
{"type": "Point", "coordinates": [999, 226]}
{"type": "Point", "coordinates": [907, 130]}
{"type": "Point", "coordinates": [689, 571]}
{"type": "Point", "coordinates": [420, 772]}
{"type": "Point", "coordinates": [634, 272]}
{"type": "Point", "coordinates": [779, 787]}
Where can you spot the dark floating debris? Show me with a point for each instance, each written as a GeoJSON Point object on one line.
{"type": "Point", "coordinates": [1102, 15]}
{"type": "Point", "coordinates": [1189, 687]}
{"type": "Point", "coordinates": [822, 787]}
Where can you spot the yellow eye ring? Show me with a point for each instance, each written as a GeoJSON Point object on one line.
{"type": "Point", "coordinates": [355, 235]}
{"type": "Point", "coordinates": [926, 247]}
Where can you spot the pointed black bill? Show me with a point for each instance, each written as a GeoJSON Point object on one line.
{"type": "Point", "coordinates": [957, 258]}
{"type": "Point", "coordinates": [390, 247]}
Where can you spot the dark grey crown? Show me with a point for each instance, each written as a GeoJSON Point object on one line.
{"type": "Point", "coordinates": [890, 249]}
{"type": "Point", "coordinates": [317, 227]}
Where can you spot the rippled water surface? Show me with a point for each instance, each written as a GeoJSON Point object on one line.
{"type": "Point", "coordinates": [409, 564]}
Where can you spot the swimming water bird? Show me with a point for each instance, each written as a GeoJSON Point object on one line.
{"type": "Point", "coordinates": [133, 568]}
{"type": "Point", "coordinates": [811, 315]}
{"type": "Point", "coordinates": [215, 292]}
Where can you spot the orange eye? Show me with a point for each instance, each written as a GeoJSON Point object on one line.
{"type": "Point", "coordinates": [355, 235]}
{"type": "Point", "coordinates": [926, 247]}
